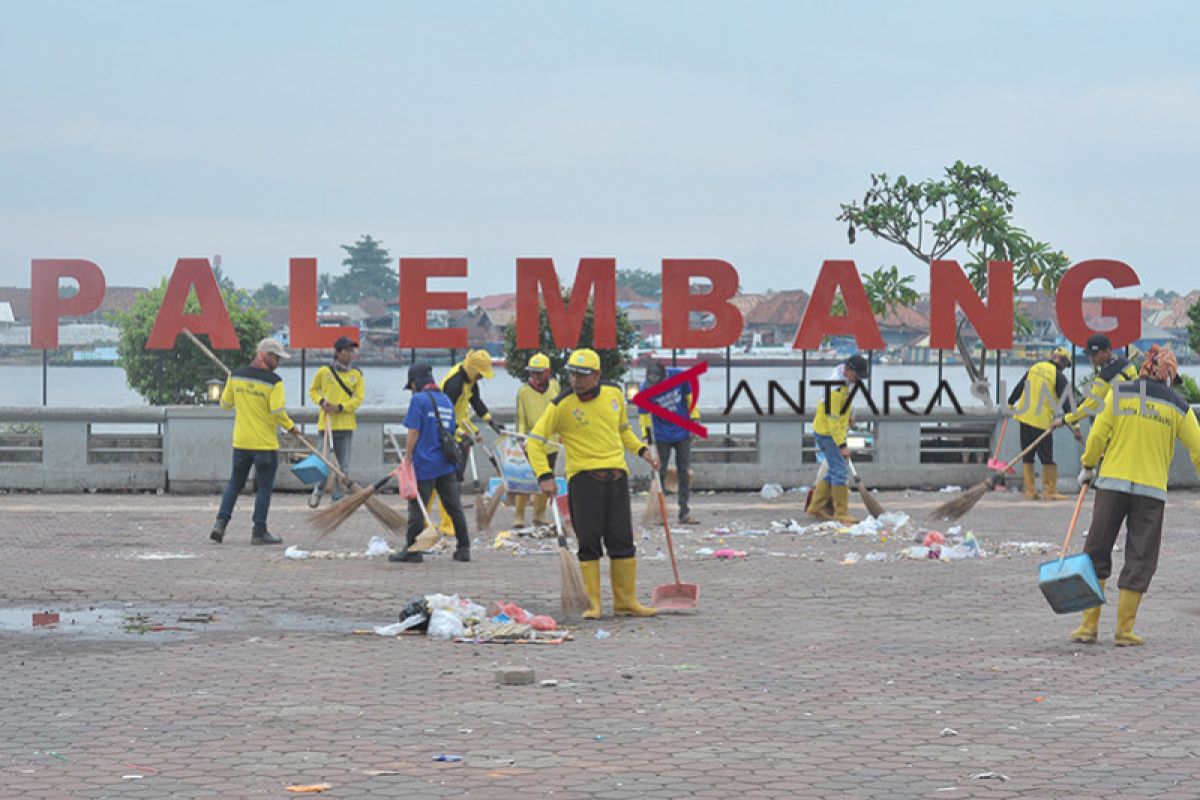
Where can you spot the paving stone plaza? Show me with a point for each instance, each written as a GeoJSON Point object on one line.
{"type": "Point", "coordinates": [177, 668]}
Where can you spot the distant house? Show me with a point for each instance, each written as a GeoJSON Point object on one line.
{"type": "Point", "coordinates": [116, 298]}
{"type": "Point", "coordinates": [7, 320]}
{"type": "Point", "coordinates": [775, 319]}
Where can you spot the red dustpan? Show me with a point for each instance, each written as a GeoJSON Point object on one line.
{"type": "Point", "coordinates": [677, 596]}
{"type": "Point", "coordinates": [994, 463]}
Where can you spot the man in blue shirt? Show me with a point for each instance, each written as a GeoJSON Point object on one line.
{"type": "Point", "coordinates": [430, 413]}
{"type": "Point", "coordinates": [668, 436]}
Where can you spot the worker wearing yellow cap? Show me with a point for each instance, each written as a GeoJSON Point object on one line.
{"type": "Point", "coordinates": [593, 422]}
{"type": "Point", "coordinates": [461, 385]}
{"type": "Point", "coordinates": [1135, 434]}
{"type": "Point", "coordinates": [533, 398]}
{"type": "Point", "coordinates": [1040, 392]}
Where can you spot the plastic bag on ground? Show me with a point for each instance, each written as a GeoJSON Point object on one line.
{"type": "Point", "coordinates": [295, 552]}
{"type": "Point", "coordinates": [542, 622]}
{"type": "Point", "coordinates": [771, 491]}
{"type": "Point", "coordinates": [443, 624]}
{"type": "Point", "coordinates": [378, 546]}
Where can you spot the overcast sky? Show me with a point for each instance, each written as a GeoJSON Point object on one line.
{"type": "Point", "coordinates": [134, 133]}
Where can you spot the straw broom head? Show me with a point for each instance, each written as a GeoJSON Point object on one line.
{"type": "Point", "coordinates": [651, 512]}
{"type": "Point", "coordinates": [953, 509]}
{"type": "Point", "coordinates": [874, 508]}
{"type": "Point", "coordinates": [425, 540]}
{"type": "Point", "coordinates": [574, 593]}
{"type": "Point", "coordinates": [388, 517]}
{"type": "Point", "coordinates": [331, 518]}
{"type": "Point", "coordinates": [484, 511]}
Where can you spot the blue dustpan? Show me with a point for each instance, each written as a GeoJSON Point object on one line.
{"type": "Point", "coordinates": [1069, 582]}
{"type": "Point", "coordinates": [311, 470]}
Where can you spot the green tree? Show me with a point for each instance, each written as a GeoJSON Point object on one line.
{"type": "Point", "coordinates": [1193, 327]}
{"type": "Point", "coordinates": [970, 208]}
{"type": "Point", "coordinates": [645, 283]}
{"type": "Point", "coordinates": [270, 295]}
{"type": "Point", "coordinates": [178, 376]}
{"type": "Point", "coordinates": [224, 282]}
{"type": "Point", "coordinates": [613, 362]}
{"type": "Point", "coordinates": [370, 273]}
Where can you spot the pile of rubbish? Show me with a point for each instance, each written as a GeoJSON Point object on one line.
{"type": "Point", "coordinates": [460, 619]}
{"type": "Point", "coordinates": [378, 546]}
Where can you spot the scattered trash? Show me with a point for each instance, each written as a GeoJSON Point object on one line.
{"type": "Point", "coordinates": [989, 776]}
{"type": "Point", "coordinates": [705, 551]}
{"type": "Point", "coordinates": [727, 553]}
{"type": "Point", "coordinates": [948, 732]}
{"type": "Point", "coordinates": [444, 624]}
{"type": "Point", "coordinates": [852, 558]}
{"type": "Point", "coordinates": [876, 556]}
{"type": "Point", "coordinates": [296, 553]}
{"type": "Point", "coordinates": [448, 758]}
{"type": "Point", "coordinates": [950, 489]}
{"type": "Point", "coordinates": [163, 556]}
{"type": "Point", "coordinates": [132, 777]}
{"type": "Point", "coordinates": [771, 491]}
{"type": "Point", "coordinates": [378, 546]}
{"type": "Point", "coordinates": [543, 622]}
{"type": "Point", "coordinates": [599, 737]}
{"type": "Point", "coordinates": [549, 683]}
{"type": "Point", "coordinates": [310, 788]}
{"type": "Point", "coordinates": [602, 634]}
{"type": "Point", "coordinates": [932, 538]}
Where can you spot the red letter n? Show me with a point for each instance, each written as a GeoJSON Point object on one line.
{"type": "Point", "coordinates": [949, 290]}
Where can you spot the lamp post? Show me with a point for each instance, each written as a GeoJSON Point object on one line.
{"type": "Point", "coordinates": [212, 390]}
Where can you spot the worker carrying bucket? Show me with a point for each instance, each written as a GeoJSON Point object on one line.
{"type": "Point", "coordinates": [1033, 400]}
{"type": "Point", "coordinates": [1135, 434]}
{"type": "Point", "coordinates": [830, 427]}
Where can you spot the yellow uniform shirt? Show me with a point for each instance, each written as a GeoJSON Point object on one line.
{"type": "Point", "coordinates": [531, 404]}
{"type": "Point", "coordinates": [256, 397]}
{"type": "Point", "coordinates": [595, 433]}
{"type": "Point", "coordinates": [1137, 440]}
{"type": "Point", "coordinates": [463, 392]}
{"type": "Point", "coordinates": [1118, 369]}
{"type": "Point", "coordinates": [326, 387]}
{"type": "Point", "coordinates": [833, 417]}
{"type": "Point", "coordinates": [1038, 392]}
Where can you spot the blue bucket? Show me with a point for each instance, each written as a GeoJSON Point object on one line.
{"type": "Point", "coordinates": [311, 470]}
{"type": "Point", "coordinates": [1070, 584]}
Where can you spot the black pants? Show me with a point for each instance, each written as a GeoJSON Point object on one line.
{"type": "Point", "coordinates": [447, 490]}
{"type": "Point", "coordinates": [1044, 450]}
{"type": "Point", "coordinates": [600, 514]}
{"type": "Point", "coordinates": [265, 463]}
{"type": "Point", "coordinates": [683, 460]}
{"type": "Point", "coordinates": [1143, 518]}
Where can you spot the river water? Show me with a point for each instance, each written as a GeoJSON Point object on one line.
{"type": "Point", "coordinates": [105, 385]}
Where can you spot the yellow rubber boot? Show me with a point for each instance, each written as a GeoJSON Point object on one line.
{"type": "Point", "coordinates": [1127, 608]}
{"type": "Point", "coordinates": [519, 518]}
{"type": "Point", "coordinates": [1089, 629]}
{"type": "Point", "coordinates": [624, 587]}
{"type": "Point", "coordinates": [444, 524]}
{"type": "Point", "coordinates": [817, 504]}
{"type": "Point", "coordinates": [1050, 482]}
{"type": "Point", "coordinates": [841, 505]}
{"type": "Point", "coordinates": [591, 582]}
{"type": "Point", "coordinates": [540, 501]}
{"type": "Point", "coordinates": [1031, 492]}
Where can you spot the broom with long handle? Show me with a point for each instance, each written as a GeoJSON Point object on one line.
{"type": "Point", "coordinates": [429, 535]}
{"type": "Point", "coordinates": [331, 518]}
{"type": "Point", "coordinates": [874, 508]}
{"type": "Point", "coordinates": [484, 511]}
{"type": "Point", "coordinates": [574, 593]}
{"type": "Point", "coordinates": [388, 517]}
{"type": "Point", "coordinates": [953, 509]}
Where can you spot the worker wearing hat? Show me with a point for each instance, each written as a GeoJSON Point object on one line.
{"type": "Point", "coordinates": [338, 389]}
{"type": "Point", "coordinates": [830, 428]}
{"type": "Point", "coordinates": [593, 421]}
{"type": "Point", "coordinates": [255, 395]}
{"type": "Point", "coordinates": [1135, 434]}
{"type": "Point", "coordinates": [1110, 368]}
{"type": "Point", "coordinates": [1039, 392]}
{"type": "Point", "coordinates": [534, 396]}
{"type": "Point", "coordinates": [461, 385]}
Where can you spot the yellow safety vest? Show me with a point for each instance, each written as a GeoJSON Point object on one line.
{"type": "Point", "coordinates": [256, 397]}
{"type": "Point", "coordinates": [595, 433]}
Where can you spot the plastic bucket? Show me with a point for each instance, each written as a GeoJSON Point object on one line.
{"type": "Point", "coordinates": [311, 470]}
{"type": "Point", "coordinates": [1070, 584]}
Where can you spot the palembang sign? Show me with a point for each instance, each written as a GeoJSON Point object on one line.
{"type": "Point", "coordinates": [595, 281]}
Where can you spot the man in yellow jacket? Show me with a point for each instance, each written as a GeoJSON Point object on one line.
{"type": "Point", "coordinates": [461, 385]}
{"type": "Point", "coordinates": [1135, 435]}
{"type": "Point", "coordinates": [1039, 392]}
{"type": "Point", "coordinates": [830, 427]}
{"type": "Point", "coordinates": [1110, 368]}
{"type": "Point", "coordinates": [533, 398]}
{"type": "Point", "coordinates": [593, 422]}
{"type": "Point", "coordinates": [255, 394]}
{"type": "Point", "coordinates": [338, 389]}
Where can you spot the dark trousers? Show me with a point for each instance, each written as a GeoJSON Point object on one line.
{"type": "Point", "coordinates": [683, 460]}
{"type": "Point", "coordinates": [1044, 450]}
{"type": "Point", "coordinates": [600, 514]}
{"type": "Point", "coordinates": [1143, 535]}
{"type": "Point", "coordinates": [446, 487]}
{"type": "Point", "coordinates": [341, 441]}
{"type": "Point", "coordinates": [265, 463]}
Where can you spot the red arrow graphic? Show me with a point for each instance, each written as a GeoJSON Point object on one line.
{"type": "Point", "coordinates": [645, 399]}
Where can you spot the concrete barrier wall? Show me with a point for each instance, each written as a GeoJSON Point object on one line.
{"type": "Point", "coordinates": [196, 451]}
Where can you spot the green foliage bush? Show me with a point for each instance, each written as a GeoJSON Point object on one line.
{"type": "Point", "coordinates": [613, 362]}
